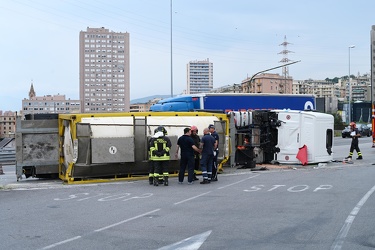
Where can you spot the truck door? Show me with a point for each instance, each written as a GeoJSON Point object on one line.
{"type": "Point", "coordinates": [220, 129]}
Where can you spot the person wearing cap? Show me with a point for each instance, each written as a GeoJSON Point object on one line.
{"type": "Point", "coordinates": [207, 145]}
{"type": "Point", "coordinates": [186, 143]}
{"type": "Point", "coordinates": [214, 134]}
{"type": "Point", "coordinates": [197, 140]}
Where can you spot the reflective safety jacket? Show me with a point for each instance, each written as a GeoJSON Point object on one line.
{"type": "Point", "coordinates": [159, 149]}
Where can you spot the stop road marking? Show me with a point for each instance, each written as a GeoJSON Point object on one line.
{"type": "Point", "coordinates": [293, 189]}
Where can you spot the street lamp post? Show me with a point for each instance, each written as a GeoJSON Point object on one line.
{"type": "Point", "coordinates": [251, 79]}
{"type": "Point", "coordinates": [350, 86]}
{"type": "Point", "coordinates": [171, 53]}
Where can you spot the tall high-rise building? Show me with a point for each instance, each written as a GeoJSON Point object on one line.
{"type": "Point", "coordinates": [199, 77]}
{"type": "Point", "coordinates": [104, 82]}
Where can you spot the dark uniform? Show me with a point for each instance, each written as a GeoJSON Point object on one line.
{"type": "Point", "coordinates": [151, 165]}
{"type": "Point", "coordinates": [160, 146]}
{"type": "Point", "coordinates": [354, 144]}
{"type": "Point", "coordinates": [197, 140]}
{"type": "Point", "coordinates": [216, 152]}
{"type": "Point", "coordinates": [208, 145]}
{"type": "Point", "coordinates": [186, 144]}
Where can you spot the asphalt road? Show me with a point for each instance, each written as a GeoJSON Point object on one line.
{"type": "Point", "coordinates": [315, 207]}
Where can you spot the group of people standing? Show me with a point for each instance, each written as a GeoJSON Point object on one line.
{"type": "Point", "coordinates": [195, 153]}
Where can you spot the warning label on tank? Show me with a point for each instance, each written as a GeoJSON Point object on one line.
{"type": "Point", "coordinates": [112, 150]}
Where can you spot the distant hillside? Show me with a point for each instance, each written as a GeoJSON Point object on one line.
{"type": "Point", "coordinates": [148, 98]}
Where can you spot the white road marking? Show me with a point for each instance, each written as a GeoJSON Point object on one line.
{"type": "Point", "coordinates": [234, 183]}
{"type": "Point", "coordinates": [337, 244]}
{"type": "Point", "coordinates": [274, 187]}
{"type": "Point", "coordinates": [114, 197]}
{"type": "Point", "coordinates": [62, 242]}
{"type": "Point", "coordinates": [191, 198]}
{"type": "Point", "coordinates": [191, 243]}
{"type": "Point", "coordinates": [177, 203]}
{"type": "Point", "coordinates": [293, 189]}
{"type": "Point", "coordinates": [303, 188]}
{"type": "Point", "coordinates": [124, 221]}
{"type": "Point", "coordinates": [322, 187]}
{"type": "Point", "coordinates": [99, 230]}
{"type": "Point", "coordinates": [146, 195]}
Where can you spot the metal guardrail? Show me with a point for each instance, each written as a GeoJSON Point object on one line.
{"type": "Point", "coordinates": [7, 156]}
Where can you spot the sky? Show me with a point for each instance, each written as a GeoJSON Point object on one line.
{"type": "Point", "coordinates": [40, 41]}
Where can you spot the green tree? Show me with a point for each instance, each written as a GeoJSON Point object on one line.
{"type": "Point", "coordinates": [338, 123]}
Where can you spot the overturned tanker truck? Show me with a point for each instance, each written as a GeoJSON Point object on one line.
{"type": "Point", "coordinates": [82, 148]}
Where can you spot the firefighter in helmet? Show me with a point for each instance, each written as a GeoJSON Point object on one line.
{"type": "Point", "coordinates": [160, 145]}
{"type": "Point", "coordinates": [354, 134]}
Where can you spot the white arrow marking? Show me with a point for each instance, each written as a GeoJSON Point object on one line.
{"type": "Point", "coordinates": [191, 243]}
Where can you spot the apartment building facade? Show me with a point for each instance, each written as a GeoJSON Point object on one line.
{"type": "Point", "coordinates": [319, 88]}
{"type": "Point", "coordinates": [57, 104]}
{"type": "Point", "coordinates": [104, 71]}
{"type": "Point", "coordinates": [7, 124]}
{"type": "Point", "coordinates": [360, 86]}
{"type": "Point", "coordinates": [199, 77]}
{"type": "Point", "coordinates": [267, 83]}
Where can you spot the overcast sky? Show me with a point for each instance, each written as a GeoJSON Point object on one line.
{"type": "Point", "coordinates": [40, 41]}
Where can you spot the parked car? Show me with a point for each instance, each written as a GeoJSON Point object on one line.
{"type": "Point", "coordinates": [345, 132]}
{"type": "Point", "coordinates": [363, 129]}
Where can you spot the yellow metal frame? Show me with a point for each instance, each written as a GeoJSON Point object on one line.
{"type": "Point", "coordinates": [73, 119]}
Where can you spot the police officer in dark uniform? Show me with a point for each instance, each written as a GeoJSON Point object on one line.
{"type": "Point", "coordinates": [160, 145]}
